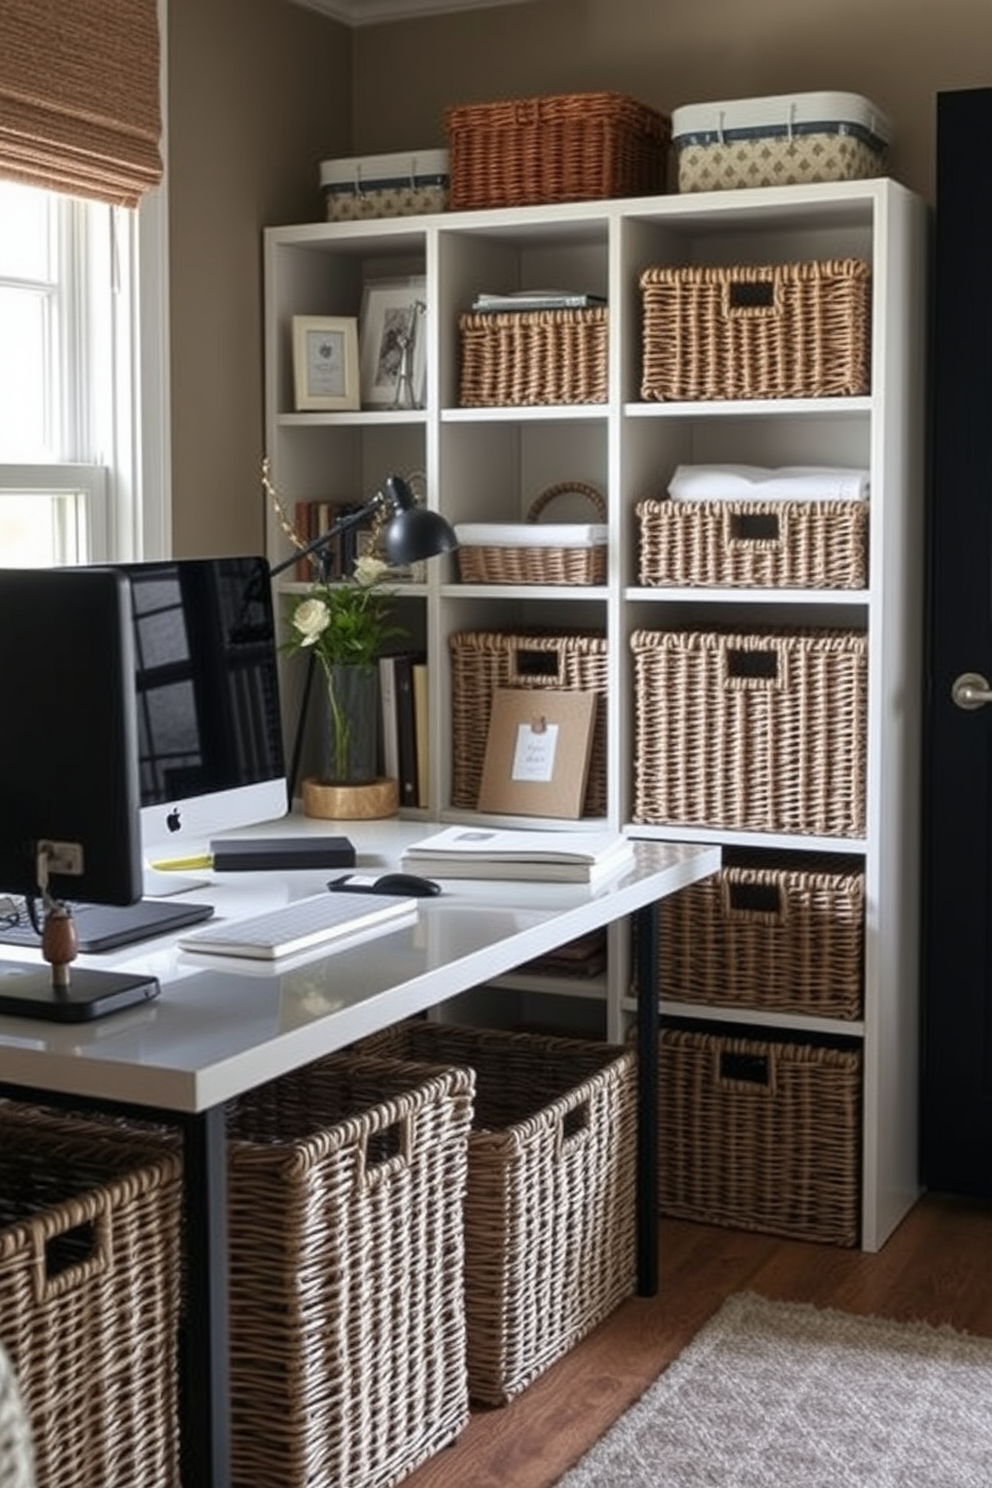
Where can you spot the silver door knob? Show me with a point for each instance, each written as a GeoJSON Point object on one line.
{"type": "Point", "coordinates": [971, 690]}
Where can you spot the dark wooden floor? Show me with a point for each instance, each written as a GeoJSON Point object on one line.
{"type": "Point", "coordinates": [937, 1265]}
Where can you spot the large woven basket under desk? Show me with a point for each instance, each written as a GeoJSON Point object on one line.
{"type": "Point", "coordinates": [760, 1133]}
{"type": "Point", "coordinates": [346, 1183]}
{"type": "Point", "coordinates": [550, 1233]}
{"type": "Point", "coordinates": [764, 730]}
{"type": "Point", "coordinates": [484, 660]}
{"type": "Point", "coordinates": [90, 1282]}
{"type": "Point", "coordinates": [798, 330]}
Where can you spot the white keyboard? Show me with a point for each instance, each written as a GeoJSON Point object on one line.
{"type": "Point", "coordinates": [296, 926]}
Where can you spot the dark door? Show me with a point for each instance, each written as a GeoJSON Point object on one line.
{"type": "Point", "coordinates": [957, 1076]}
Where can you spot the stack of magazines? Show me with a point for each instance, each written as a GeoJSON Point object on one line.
{"type": "Point", "coordinates": [537, 299]}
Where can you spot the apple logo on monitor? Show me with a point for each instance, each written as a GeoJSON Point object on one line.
{"type": "Point", "coordinates": [174, 820]}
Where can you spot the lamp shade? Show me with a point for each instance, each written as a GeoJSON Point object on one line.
{"type": "Point", "coordinates": [415, 533]}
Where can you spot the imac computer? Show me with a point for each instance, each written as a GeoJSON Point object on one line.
{"type": "Point", "coordinates": [69, 800]}
{"type": "Point", "coordinates": [206, 683]}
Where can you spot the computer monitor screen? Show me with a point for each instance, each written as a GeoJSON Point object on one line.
{"type": "Point", "coordinates": [210, 752]}
{"type": "Point", "coordinates": [68, 740]}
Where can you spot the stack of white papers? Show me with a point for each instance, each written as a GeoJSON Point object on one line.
{"type": "Point", "coordinates": [485, 852]}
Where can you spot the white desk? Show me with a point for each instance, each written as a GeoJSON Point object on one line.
{"type": "Point", "coordinates": [220, 1028]}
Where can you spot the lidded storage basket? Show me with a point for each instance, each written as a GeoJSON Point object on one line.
{"type": "Point", "coordinates": [523, 358]}
{"type": "Point", "coordinates": [346, 1182]}
{"type": "Point", "coordinates": [385, 185]}
{"type": "Point", "coordinates": [754, 544]}
{"type": "Point", "coordinates": [780, 141]}
{"type": "Point", "coordinates": [550, 1234]}
{"type": "Point", "coordinates": [90, 1280]}
{"type": "Point", "coordinates": [798, 330]}
{"type": "Point", "coordinates": [777, 932]}
{"type": "Point", "coordinates": [560, 148]}
{"type": "Point", "coordinates": [760, 1134]}
{"type": "Point", "coordinates": [484, 660]}
{"type": "Point", "coordinates": [764, 731]}
{"type": "Point", "coordinates": [575, 553]}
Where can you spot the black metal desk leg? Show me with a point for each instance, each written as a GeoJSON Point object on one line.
{"type": "Point", "coordinates": [206, 1404]}
{"type": "Point", "coordinates": [646, 952]}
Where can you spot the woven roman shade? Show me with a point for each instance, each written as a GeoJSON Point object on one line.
{"type": "Point", "coordinates": [79, 97]}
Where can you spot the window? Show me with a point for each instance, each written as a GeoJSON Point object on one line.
{"type": "Point", "coordinates": [78, 477]}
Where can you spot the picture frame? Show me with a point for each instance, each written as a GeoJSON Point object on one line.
{"type": "Point", "coordinates": [325, 363]}
{"type": "Point", "coordinates": [393, 351]}
{"type": "Point", "coordinates": [538, 750]}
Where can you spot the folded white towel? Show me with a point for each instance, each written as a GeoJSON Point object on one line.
{"type": "Point", "coordinates": [753, 483]}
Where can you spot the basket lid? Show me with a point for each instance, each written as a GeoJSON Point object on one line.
{"type": "Point", "coordinates": [385, 170]}
{"type": "Point", "coordinates": [785, 113]}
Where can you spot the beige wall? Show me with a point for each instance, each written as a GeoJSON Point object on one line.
{"type": "Point", "coordinates": [259, 93]}
{"type": "Point", "coordinates": [670, 52]}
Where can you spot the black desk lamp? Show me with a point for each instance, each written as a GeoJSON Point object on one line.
{"type": "Point", "coordinates": [410, 533]}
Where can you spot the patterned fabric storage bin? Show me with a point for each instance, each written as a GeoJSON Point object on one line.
{"type": "Point", "coordinates": [780, 141]}
{"type": "Point", "coordinates": [550, 1234]}
{"type": "Point", "coordinates": [760, 1134]}
{"type": "Point", "coordinates": [782, 933]}
{"type": "Point", "coordinates": [90, 1281]}
{"type": "Point", "coordinates": [763, 731]}
{"type": "Point", "coordinates": [753, 544]}
{"type": "Point", "coordinates": [524, 358]}
{"type": "Point", "coordinates": [560, 148]}
{"type": "Point", "coordinates": [483, 660]}
{"type": "Point", "coordinates": [346, 1183]}
{"type": "Point", "coordinates": [796, 330]}
{"type": "Point", "coordinates": [385, 185]}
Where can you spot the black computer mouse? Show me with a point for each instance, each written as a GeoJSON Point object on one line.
{"type": "Point", "coordinates": [406, 883]}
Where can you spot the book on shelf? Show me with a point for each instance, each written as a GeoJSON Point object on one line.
{"type": "Point", "coordinates": [388, 718]}
{"type": "Point", "coordinates": [420, 739]}
{"type": "Point", "coordinates": [489, 852]}
{"type": "Point", "coordinates": [537, 299]}
{"type": "Point", "coordinates": [310, 520]}
{"type": "Point", "coordinates": [406, 724]}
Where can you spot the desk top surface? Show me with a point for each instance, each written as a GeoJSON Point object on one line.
{"type": "Point", "coordinates": [221, 1026]}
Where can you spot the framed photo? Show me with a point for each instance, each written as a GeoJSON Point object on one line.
{"type": "Point", "coordinates": [393, 349]}
{"type": "Point", "coordinates": [537, 751]}
{"type": "Point", "coordinates": [325, 362]}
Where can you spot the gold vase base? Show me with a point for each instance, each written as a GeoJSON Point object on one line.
{"type": "Point", "coordinates": [367, 802]}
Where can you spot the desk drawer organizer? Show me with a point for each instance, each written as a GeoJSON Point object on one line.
{"type": "Point", "coordinates": [780, 141]}
{"type": "Point", "coordinates": [483, 660]}
{"type": "Point", "coordinates": [764, 730]}
{"type": "Point", "coordinates": [90, 1279]}
{"type": "Point", "coordinates": [550, 1209]}
{"type": "Point", "coordinates": [572, 553]}
{"type": "Point", "coordinates": [560, 148]}
{"type": "Point", "coordinates": [523, 358]}
{"type": "Point", "coordinates": [346, 1183]}
{"type": "Point", "coordinates": [798, 330]}
{"type": "Point", "coordinates": [760, 1134]}
{"type": "Point", "coordinates": [385, 185]}
{"type": "Point", "coordinates": [782, 933]}
{"type": "Point", "coordinates": [753, 544]}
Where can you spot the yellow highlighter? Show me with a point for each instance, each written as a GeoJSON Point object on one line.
{"type": "Point", "coordinates": [183, 865]}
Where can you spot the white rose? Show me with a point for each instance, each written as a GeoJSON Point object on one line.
{"type": "Point", "coordinates": [369, 570]}
{"type": "Point", "coordinates": [311, 619]}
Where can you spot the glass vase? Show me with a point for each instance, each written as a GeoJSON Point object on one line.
{"type": "Point", "coordinates": [353, 724]}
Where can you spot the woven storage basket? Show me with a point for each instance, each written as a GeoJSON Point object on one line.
{"type": "Point", "coordinates": [520, 560]}
{"type": "Point", "coordinates": [533, 357]}
{"type": "Point", "coordinates": [550, 1210]}
{"type": "Point", "coordinates": [781, 933]}
{"type": "Point", "coordinates": [754, 544]}
{"type": "Point", "coordinates": [346, 1186]}
{"type": "Point", "coordinates": [760, 1134]}
{"type": "Point", "coordinates": [796, 330]}
{"type": "Point", "coordinates": [764, 731]}
{"type": "Point", "coordinates": [559, 148]}
{"type": "Point", "coordinates": [483, 660]}
{"type": "Point", "coordinates": [90, 1280]}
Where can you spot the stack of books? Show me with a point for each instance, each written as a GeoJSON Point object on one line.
{"type": "Point", "coordinates": [485, 852]}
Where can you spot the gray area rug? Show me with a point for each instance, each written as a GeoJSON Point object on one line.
{"type": "Point", "coordinates": [788, 1395]}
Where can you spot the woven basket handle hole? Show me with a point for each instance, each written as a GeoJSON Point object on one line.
{"type": "Point", "coordinates": [536, 664]}
{"type": "Point", "coordinates": [752, 666]}
{"type": "Point", "coordinates": [747, 899]}
{"type": "Point", "coordinates": [575, 1125]}
{"type": "Point", "coordinates": [745, 1070]}
{"type": "Point", "coordinates": [747, 296]}
{"type": "Point", "coordinates": [753, 527]}
{"type": "Point", "coordinates": [69, 1259]}
{"type": "Point", "coordinates": [387, 1151]}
